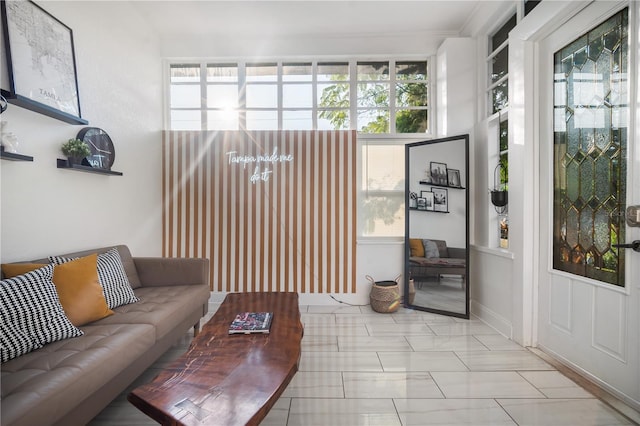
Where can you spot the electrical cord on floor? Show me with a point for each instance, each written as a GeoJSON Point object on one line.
{"type": "Point", "coordinates": [346, 303]}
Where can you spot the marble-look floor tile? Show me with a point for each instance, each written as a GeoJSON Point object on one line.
{"type": "Point", "coordinates": [343, 412]}
{"type": "Point", "coordinates": [404, 329]}
{"type": "Point", "coordinates": [351, 319]}
{"type": "Point", "coordinates": [421, 361]}
{"type": "Point", "coordinates": [315, 384]}
{"type": "Point", "coordinates": [461, 328]}
{"type": "Point", "coordinates": [373, 343]}
{"type": "Point", "coordinates": [318, 319]}
{"type": "Point", "coordinates": [452, 412]}
{"type": "Point", "coordinates": [497, 342]}
{"type": "Point", "coordinates": [336, 330]}
{"type": "Point", "coordinates": [333, 309]}
{"type": "Point", "coordinates": [560, 412]}
{"type": "Point", "coordinates": [445, 343]}
{"type": "Point", "coordinates": [390, 385]}
{"type": "Point", "coordinates": [339, 361]}
{"type": "Point", "coordinates": [122, 413]}
{"type": "Point", "coordinates": [315, 343]}
{"type": "Point", "coordinates": [554, 384]}
{"type": "Point", "coordinates": [278, 414]}
{"type": "Point", "coordinates": [507, 384]}
{"type": "Point", "coordinates": [502, 361]}
{"type": "Point", "coordinates": [430, 318]}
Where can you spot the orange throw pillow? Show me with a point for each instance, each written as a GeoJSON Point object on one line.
{"type": "Point", "coordinates": [11, 270]}
{"type": "Point", "coordinates": [416, 247]}
{"type": "Point", "coordinates": [80, 291]}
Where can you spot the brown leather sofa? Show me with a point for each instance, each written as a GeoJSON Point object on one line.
{"type": "Point", "coordinates": [69, 382]}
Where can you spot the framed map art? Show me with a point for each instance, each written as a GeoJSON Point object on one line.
{"type": "Point", "coordinates": [40, 61]}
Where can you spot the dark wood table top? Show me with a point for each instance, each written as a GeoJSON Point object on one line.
{"type": "Point", "coordinates": [228, 379]}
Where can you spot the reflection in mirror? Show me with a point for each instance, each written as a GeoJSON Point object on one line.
{"type": "Point", "coordinates": [436, 226]}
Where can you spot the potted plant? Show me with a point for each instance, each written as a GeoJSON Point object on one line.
{"type": "Point", "coordinates": [75, 150]}
{"type": "Point", "coordinates": [499, 197]}
{"type": "Point", "coordinates": [499, 194]}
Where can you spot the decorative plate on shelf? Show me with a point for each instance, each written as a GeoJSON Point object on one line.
{"type": "Point", "coordinates": [103, 152]}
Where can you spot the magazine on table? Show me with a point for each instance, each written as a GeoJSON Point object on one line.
{"type": "Point", "coordinates": [251, 322]}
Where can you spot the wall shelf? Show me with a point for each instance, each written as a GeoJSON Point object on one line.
{"type": "Point", "coordinates": [64, 164]}
{"type": "Point", "coordinates": [426, 211]}
{"type": "Point", "coordinates": [423, 182]}
{"type": "Point", "coordinates": [14, 157]}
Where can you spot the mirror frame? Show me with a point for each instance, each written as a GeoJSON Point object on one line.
{"type": "Point", "coordinates": [407, 252]}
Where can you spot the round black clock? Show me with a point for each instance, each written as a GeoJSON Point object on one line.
{"type": "Point", "coordinates": [102, 151]}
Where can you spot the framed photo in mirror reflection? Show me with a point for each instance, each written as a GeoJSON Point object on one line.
{"type": "Point", "coordinates": [440, 199]}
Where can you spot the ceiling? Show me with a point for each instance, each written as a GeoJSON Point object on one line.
{"type": "Point", "coordinates": [249, 19]}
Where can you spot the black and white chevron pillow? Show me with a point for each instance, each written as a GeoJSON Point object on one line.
{"type": "Point", "coordinates": [32, 313]}
{"type": "Point", "coordinates": [112, 276]}
{"type": "Point", "coordinates": [15, 342]}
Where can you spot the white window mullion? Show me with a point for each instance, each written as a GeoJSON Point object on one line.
{"type": "Point", "coordinates": [203, 96]}
{"type": "Point", "coordinates": [353, 95]}
{"type": "Point", "coordinates": [280, 91]}
{"type": "Point", "coordinates": [242, 95]}
{"type": "Point", "coordinates": [392, 96]}
{"type": "Point", "coordinates": [314, 95]}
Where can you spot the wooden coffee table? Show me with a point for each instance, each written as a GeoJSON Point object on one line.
{"type": "Point", "coordinates": [228, 379]}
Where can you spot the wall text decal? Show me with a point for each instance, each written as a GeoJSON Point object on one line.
{"type": "Point", "coordinates": [259, 175]}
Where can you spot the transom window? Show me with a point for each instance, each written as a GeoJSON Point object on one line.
{"type": "Point", "coordinates": [387, 97]}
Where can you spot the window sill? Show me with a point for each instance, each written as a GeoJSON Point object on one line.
{"type": "Point", "coordinates": [494, 251]}
{"type": "Point", "coordinates": [380, 241]}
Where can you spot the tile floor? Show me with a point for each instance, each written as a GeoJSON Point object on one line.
{"type": "Point", "coordinates": [359, 367]}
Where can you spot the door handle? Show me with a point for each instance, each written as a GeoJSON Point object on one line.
{"type": "Point", "coordinates": [635, 245]}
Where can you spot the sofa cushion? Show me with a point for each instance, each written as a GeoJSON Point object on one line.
{"type": "Point", "coordinates": [45, 383]}
{"type": "Point", "coordinates": [79, 290]}
{"type": "Point", "coordinates": [15, 342]}
{"type": "Point", "coordinates": [125, 256]}
{"type": "Point", "coordinates": [416, 247]}
{"type": "Point", "coordinates": [431, 250]}
{"type": "Point", "coordinates": [78, 287]}
{"type": "Point", "coordinates": [30, 304]}
{"type": "Point", "coordinates": [160, 307]}
{"type": "Point", "coordinates": [10, 270]}
{"type": "Point", "coordinates": [439, 262]}
{"type": "Point", "coordinates": [112, 276]}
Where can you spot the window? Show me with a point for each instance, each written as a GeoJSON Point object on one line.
{"type": "Point", "coordinates": [381, 189]}
{"type": "Point", "coordinates": [498, 60]}
{"type": "Point", "coordinates": [378, 97]}
{"type": "Point", "coordinates": [497, 110]}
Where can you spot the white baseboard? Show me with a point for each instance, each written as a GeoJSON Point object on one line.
{"type": "Point", "coordinates": [500, 323]}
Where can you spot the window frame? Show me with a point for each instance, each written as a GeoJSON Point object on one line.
{"type": "Point", "coordinates": [352, 62]}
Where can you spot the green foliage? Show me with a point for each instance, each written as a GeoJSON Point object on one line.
{"type": "Point", "coordinates": [372, 95]}
{"type": "Point", "coordinates": [75, 148]}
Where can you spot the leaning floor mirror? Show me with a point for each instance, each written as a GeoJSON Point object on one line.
{"type": "Point", "coordinates": [437, 226]}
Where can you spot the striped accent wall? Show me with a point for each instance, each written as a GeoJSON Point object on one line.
{"type": "Point", "coordinates": [272, 210]}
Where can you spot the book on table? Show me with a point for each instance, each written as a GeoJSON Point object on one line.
{"type": "Point", "coordinates": [251, 322]}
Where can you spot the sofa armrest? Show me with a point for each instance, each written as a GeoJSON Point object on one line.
{"type": "Point", "coordinates": [457, 253]}
{"type": "Point", "coordinates": [162, 271]}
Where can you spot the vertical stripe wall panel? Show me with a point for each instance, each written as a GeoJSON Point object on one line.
{"type": "Point", "coordinates": [272, 210]}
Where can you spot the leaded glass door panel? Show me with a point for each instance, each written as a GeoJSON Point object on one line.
{"type": "Point", "coordinates": [590, 152]}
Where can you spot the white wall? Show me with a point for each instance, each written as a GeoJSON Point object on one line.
{"type": "Point", "coordinates": [456, 87]}
{"type": "Point", "coordinates": [45, 210]}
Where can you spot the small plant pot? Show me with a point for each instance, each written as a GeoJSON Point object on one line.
{"type": "Point", "coordinates": [74, 160]}
{"type": "Point", "coordinates": [499, 198]}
